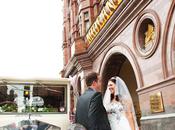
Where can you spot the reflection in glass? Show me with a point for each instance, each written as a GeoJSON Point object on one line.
{"type": "Point", "coordinates": [30, 125]}
{"type": "Point", "coordinates": [32, 98]}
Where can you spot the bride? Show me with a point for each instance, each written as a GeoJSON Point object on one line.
{"type": "Point", "coordinates": [119, 106]}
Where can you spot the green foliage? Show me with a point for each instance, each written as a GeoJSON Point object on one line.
{"type": "Point", "coordinates": [41, 109]}
{"type": "Point", "coordinates": [8, 108]}
{"type": "Point", "coordinates": [13, 108]}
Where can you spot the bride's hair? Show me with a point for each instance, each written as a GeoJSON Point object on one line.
{"type": "Point", "coordinates": [116, 97]}
{"type": "Point", "coordinates": [113, 79]}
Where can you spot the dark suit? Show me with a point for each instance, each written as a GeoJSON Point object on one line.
{"type": "Point", "coordinates": [90, 111]}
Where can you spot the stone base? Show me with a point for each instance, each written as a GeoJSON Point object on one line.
{"type": "Point", "coordinates": [158, 124]}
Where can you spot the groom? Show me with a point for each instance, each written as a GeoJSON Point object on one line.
{"type": "Point", "coordinates": [90, 111]}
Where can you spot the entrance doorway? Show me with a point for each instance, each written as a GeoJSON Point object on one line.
{"type": "Point", "coordinates": [119, 65]}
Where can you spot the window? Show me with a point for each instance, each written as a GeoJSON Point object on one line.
{"type": "Point", "coordinates": [32, 98]}
{"type": "Point", "coordinates": [87, 25]}
{"type": "Point", "coordinates": [80, 30]}
{"type": "Point", "coordinates": [86, 15]}
{"type": "Point", "coordinates": [80, 26]}
{"type": "Point", "coordinates": [86, 21]}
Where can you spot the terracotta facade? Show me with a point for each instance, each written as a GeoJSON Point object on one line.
{"type": "Point", "coordinates": [136, 43]}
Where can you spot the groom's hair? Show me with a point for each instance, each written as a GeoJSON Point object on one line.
{"type": "Point", "coordinates": [91, 77]}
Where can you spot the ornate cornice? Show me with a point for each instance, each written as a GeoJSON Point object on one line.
{"type": "Point", "coordinates": [78, 62]}
{"type": "Point", "coordinates": [106, 12]}
{"type": "Point", "coordinates": [123, 16]}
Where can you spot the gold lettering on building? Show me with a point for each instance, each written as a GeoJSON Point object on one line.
{"type": "Point", "coordinates": [102, 20]}
{"type": "Point", "coordinates": [93, 30]}
{"type": "Point", "coordinates": [106, 12]}
{"type": "Point", "coordinates": [98, 23]}
{"type": "Point", "coordinates": [105, 15]}
{"type": "Point", "coordinates": [97, 28]}
{"type": "Point", "coordinates": [115, 2]}
{"type": "Point", "coordinates": [111, 5]}
{"type": "Point", "coordinates": [156, 103]}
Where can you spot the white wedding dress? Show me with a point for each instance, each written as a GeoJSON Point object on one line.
{"type": "Point", "coordinates": [116, 116]}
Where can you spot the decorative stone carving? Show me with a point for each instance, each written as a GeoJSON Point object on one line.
{"type": "Point", "coordinates": [146, 33]}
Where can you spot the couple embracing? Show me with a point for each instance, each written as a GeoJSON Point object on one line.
{"type": "Point", "coordinates": [113, 112]}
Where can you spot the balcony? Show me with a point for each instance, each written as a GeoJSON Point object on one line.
{"type": "Point", "coordinates": [78, 46]}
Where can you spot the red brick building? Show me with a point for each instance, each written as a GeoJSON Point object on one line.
{"type": "Point", "coordinates": [131, 39]}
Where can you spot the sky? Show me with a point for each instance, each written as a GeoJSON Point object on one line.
{"type": "Point", "coordinates": [30, 38]}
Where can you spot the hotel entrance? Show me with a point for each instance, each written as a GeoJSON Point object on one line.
{"type": "Point", "coordinates": [118, 65]}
